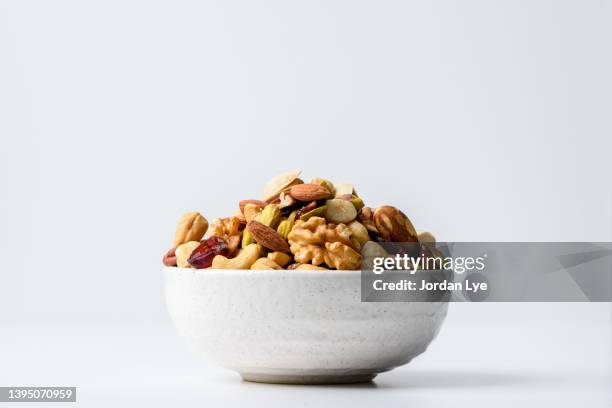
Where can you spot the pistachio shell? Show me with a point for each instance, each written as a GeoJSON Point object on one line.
{"type": "Point", "coordinates": [278, 183]}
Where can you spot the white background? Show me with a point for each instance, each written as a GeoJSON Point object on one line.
{"type": "Point", "coordinates": [482, 120]}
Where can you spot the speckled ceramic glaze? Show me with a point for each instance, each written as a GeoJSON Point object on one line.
{"type": "Point", "coordinates": [296, 326]}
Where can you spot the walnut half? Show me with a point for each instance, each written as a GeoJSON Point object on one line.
{"type": "Point", "coordinates": [228, 229]}
{"type": "Point", "coordinates": [315, 241]}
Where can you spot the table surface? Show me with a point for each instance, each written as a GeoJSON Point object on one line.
{"type": "Point", "coordinates": [147, 364]}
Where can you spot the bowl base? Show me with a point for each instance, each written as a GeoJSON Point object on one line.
{"type": "Point", "coordinates": [307, 379]}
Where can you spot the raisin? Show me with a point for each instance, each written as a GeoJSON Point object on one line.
{"type": "Point", "coordinates": [203, 255]}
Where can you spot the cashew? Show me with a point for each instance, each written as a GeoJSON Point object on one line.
{"type": "Point", "coordinates": [244, 260]}
{"type": "Point", "coordinates": [265, 264]}
{"type": "Point", "coordinates": [183, 252]}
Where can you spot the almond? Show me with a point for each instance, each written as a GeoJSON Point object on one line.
{"type": "Point", "coordinates": [309, 192]}
{"type": "Point", "coordinates": [267, 237]}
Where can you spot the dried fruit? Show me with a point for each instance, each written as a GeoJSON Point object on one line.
{"type": "Point", "coordinates": [191, 227]}
{"type": "Point", "coordinates": [309, 192]}
{"type": "Point", "coordinates": [244, 260]}
{"type": "Point", "coordinates": [305, 209]}
{"type": "Point", "coordinates": [265, 264]}
{"type": "Point", "coordinates": [267, 237]}
{"type": "Point", "coordinates": [183, 252]}
{"type": "Point", "coordinates": [393, 225]}
{"type": "Point", "coordinates": [278, 183]}
{"type": "Point", "coordinates": [340, 211]}
{"type": "Point", "coordinates": [170, 257]}
{"type": "Point", "coordinates": [203, 255]}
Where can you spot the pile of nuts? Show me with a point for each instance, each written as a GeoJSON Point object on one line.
{"type": "Point", "coordinates": [297, 225]}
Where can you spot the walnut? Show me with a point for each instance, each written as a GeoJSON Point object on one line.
{"type": "Point", "coordinates": [315, 241]}
{"type": "Point", "coordinates": [341, 256]}
{"type": "Point", "coordinates": [228, 229]}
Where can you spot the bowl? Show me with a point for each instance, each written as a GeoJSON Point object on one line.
{"type": "Point", "coordinates": [296, 326]}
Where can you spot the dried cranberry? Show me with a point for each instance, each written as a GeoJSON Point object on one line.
{"type": "Point", "coordinates": [203, 255]}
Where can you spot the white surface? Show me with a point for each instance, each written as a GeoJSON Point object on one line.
{"type": "Point", "coordinates": [506, 365]}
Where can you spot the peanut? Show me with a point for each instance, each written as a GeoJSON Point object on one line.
{"type": "Point", "coordinates": [191, 227]}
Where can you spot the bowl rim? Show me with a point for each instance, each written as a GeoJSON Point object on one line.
{"type": "Point", "coordinates": [321, 272]}
{"type": "Point", "coordinates": [171, 269]}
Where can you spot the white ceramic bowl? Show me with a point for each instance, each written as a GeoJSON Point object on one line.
{"type": "Point", "coordinates": [306, 327]}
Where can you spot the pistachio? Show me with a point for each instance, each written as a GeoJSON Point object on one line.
{"type": "Point", "coordinates": [317, 212]}
{"type": "Point", "coordinates": [356, 201]}
{"type": "Point", "coordinates": [340, 211]}
{"type": "Point", "coordinates": [247, 239]}
{"type": "Point", "coordinates": [270, 216]}
{"type": "Point", "coordinates": [284, 228]}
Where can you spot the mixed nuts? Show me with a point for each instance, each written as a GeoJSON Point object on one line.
{"type": "Point", "coordinates": [297, 225]}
